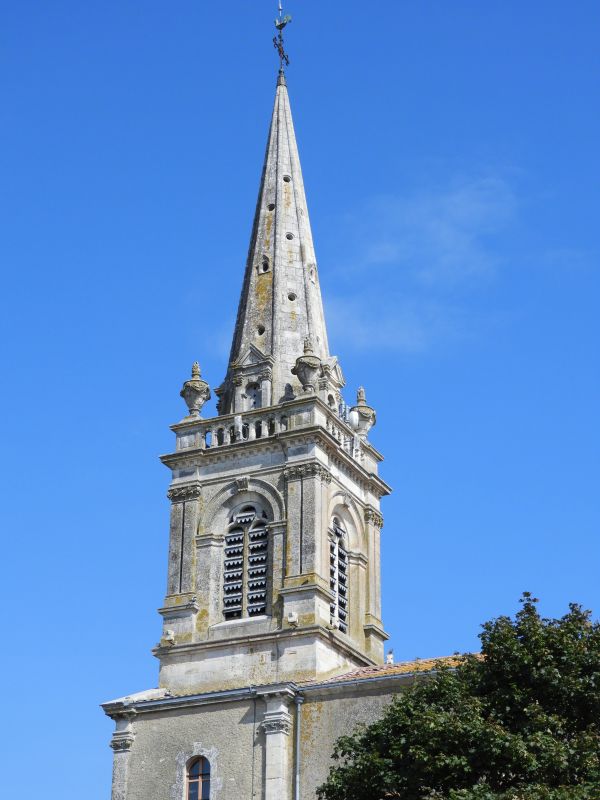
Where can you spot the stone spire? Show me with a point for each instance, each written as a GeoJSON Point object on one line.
{"type": "Point", "coordinates": [280, 305]}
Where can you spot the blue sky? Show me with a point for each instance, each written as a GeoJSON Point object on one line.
{"type": "Point", "coordinates": [450, 155]}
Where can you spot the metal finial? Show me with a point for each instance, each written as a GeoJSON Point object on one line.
{"type": "Point", "coordinates": [280, 24]}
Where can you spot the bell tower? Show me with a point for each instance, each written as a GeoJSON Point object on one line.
{"type": "Point", "coordinates": [274, 559]}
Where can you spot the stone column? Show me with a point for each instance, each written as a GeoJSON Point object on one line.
{"type": "Point", "coordinates": [237, 395]}
{"type": "Point", "coordinates": [277, 725]}
{"type": "Point", "coordinates": [266, 383]}
{"type": "Point", "coordinates": [121, 744]}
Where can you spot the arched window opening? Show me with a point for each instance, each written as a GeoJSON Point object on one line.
{"type": "Point", "coordinates": [220, 436]}
{"type": "Point", "coordinates": [338, 571]}
{"type": "Point", "coordinates": [232, 433]}
{"type": "Point", "coordinates": [258, 429]}
{"type": "Point", "coordinates": [198, 779]}
{"type": "Point", "coordinates": [283, 424]}
{"type": "Point", "coordinates": [271, 427]}
{"type": "Point", "coordinates": [246, 564]}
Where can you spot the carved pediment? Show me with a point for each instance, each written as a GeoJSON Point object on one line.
{"type": "Point", "coordinates": [251, 357]}
{"type": "Point", "coordinates": [335, 371]}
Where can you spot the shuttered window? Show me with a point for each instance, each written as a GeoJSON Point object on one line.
{"type": "Point", "coordinates": [338, 571]}
{"type": "Point", "coordinates": [246, 564]}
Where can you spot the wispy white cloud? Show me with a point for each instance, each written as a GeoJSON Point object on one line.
{"type": "Point", "coordinates": [439, 235]}
{"type": "Point", "coordinates": [414, 256]}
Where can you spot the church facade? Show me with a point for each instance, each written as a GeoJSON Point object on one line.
{"type": "Point", "coordinates": [273, 643]}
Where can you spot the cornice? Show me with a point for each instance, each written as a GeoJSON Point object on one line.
{"type": "Point", "coordinates": [177, 651]}
{"type": "Point", "coordinates": [193, 457]}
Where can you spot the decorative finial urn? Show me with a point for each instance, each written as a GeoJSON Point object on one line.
{"type": "Point", "coordinates": [363, 416]}
{"type": "Point", "coordinates": [195, 392]}
{"type": "Point", "coordinates": [307, 367]}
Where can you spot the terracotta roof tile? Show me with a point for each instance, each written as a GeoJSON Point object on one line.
{"type": "Point", "coordinates": [401, 668]}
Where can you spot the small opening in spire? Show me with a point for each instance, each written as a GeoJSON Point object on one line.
{"type": "Point", "coordinates": [289, 236]}
{"type": "Point", "coordinates": [287, 178]}
{"type": "Point", "coordinates": [291, 296]}
{"type": "Point", "coordinates": [261, 330]}
{"type": "Point", "coordinates": [271, 206]}
{"type": "Point", "coordinates": [264, 265]}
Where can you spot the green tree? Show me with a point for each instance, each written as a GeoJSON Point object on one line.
{"type": "Point", "coordinates": [520, 721]}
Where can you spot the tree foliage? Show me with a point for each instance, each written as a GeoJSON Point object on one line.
{"type": "Point", "coordinates": [521, 721]}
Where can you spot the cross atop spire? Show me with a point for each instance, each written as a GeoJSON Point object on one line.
{"type": "Point", "coordinates": [280, 24]}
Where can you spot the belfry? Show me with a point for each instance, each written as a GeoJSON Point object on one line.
{"type": "Point", "coordinates": [272, 643]}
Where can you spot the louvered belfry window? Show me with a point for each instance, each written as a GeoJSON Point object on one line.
{"type": "Point", "coordinates": [338, 571]}
{"type": "Point", "coordinates": [246, 564]}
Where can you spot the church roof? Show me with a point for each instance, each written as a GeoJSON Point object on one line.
{"type": "Point", "coordinates": [391, 670]}
{"type": "Point", "coordinates": [280, 304]}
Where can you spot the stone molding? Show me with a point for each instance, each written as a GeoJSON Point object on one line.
{"type": "Point", "coordinates": [266, 375]}
{"type": "Point", "coordinates": [373, 517]}
{"type": "Point", "coordinates": [122, 742]}
{"type": "Point", "coordinates": [181, 610]}
{"type": "Point", "coordinates": [209, 540]}
{"type": "Point", "coordinates": [307, 471]}
{"type": "Point", "coordinates": [281, 724]}
{"type": "Point", "coordinates": [189, 491]}
{"type": "Point", "coordinates": [358, 558]}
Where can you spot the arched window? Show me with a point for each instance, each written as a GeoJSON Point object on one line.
{"type": "Point", "coordinates": [246, 564]}
{"type": "Point", "coordinates": [252, 397]}
{"type": "Point", "coordinates": [338, 571]}
{"type": "Point", "coordinates": [198, 779]}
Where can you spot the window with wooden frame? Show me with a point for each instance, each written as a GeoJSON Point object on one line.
{"type": "Point", "coordinates": [338, 572]}
{"type": "Point", "coordinates": [246, 564]}
{"type": "Point", "coordinates": [198, 779]}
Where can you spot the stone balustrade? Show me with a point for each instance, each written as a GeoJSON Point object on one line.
{"type": "Point", "coordinates": [263, 423]}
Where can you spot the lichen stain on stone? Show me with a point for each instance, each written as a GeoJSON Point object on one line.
{"type": "Point", "coordinates": [263, 290]}
{"type": "Point", "coordinates": [287, 195]}
{"type": "Point", "coordinates": [202, 620]}
{"type": "Point", "coordinates": [268, 228]}
{"type": "Point", "coordinates": [311, 718]}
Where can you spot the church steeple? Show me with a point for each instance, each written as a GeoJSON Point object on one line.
{"type": "Point", "coordinates": [274, 560]}
{"type": "Point", "coordinates": [280, 305]}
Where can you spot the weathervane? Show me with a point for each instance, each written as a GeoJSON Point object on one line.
{"type": "Point", "coordinates": [280, 24]}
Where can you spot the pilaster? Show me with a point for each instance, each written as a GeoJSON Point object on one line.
{"type": "Point", "coordinates": [277, 726]}
{"type": "Point", "coordinates": [121, 743]}
{"type": "Point", "coordinates": [184, 522]}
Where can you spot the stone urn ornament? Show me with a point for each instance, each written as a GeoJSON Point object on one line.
{"type": "Point", "coordinates": [307, 367]}
{"type": "Point", "coordinates": [362, 416]}
{"type": "Point", "coordinates": [195, 392]}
